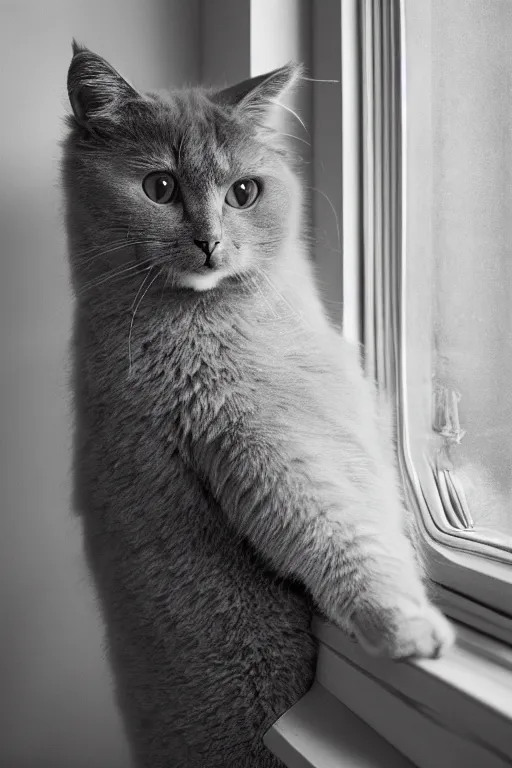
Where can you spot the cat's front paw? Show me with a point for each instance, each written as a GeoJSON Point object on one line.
{"type": "Point", "coordinates": [403, 630]}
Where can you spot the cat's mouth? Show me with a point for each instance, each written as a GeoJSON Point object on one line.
{"type": "Point", "coordinates": [199, 274]}
{"type": "Point", "coordinates": [213, 261]}
{"type": "Point", "coordinates": [213, 264]}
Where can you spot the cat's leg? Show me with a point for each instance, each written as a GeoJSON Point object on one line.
{"type": "Point", "coordinates": [391, 614]}
{"type": "Point", "coordinates": [344, 545]}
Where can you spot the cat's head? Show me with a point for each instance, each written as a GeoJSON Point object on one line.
{"type": "Point", "coordinates": [194, 182]}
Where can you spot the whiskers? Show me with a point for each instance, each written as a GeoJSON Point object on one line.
{"type": "Point", "coordinates": [98, 248]}
{"type": "Point", "coordinates": [317, 80]}
{"type": "Point", "coordinates": [96, 252]}
{"type": "Point", "coordinates": [136, 304]}
{"type": "Point", "coordinates": [114, 276]}
{"type": "Point", "coordinates": [292, 136]}
{"type": "Point", "coordinates": [249, 281]}
{"type": "Point", "coordinates": [292, 112]}
{"type": "Point", "coordinates": [335, 213]}
{"type": "Point", "coordinates": [298, 315]}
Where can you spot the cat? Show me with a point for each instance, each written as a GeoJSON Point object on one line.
{"type": "Point", "coordinates": [233, 468]}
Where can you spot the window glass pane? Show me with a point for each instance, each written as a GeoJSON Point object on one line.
{"type": "Point", "coordinates": [472, 244]}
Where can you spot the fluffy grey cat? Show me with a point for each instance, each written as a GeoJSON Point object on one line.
{"type": "Point", "coordinates": [233, 469]}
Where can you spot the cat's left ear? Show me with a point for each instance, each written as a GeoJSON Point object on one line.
{"type": "Point", "coordinates": [258, 97]}
{"type": "Point", "coordinates": [95, 88]}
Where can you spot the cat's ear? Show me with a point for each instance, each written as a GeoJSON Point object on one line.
{"type": "Point", "coordinates": [95, 88]}
{"type": "Point", "coordinates": [258, 97]}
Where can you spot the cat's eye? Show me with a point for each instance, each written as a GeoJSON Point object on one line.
{"type": "Point", "coordinates": [160, 187]}
{"type": "Point", "coordinates": [243, 193]}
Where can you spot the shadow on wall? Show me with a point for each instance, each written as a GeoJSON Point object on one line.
{"type": "Point", "coordinates": [56, 705]}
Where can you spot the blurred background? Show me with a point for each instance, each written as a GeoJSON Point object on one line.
{"type": "Point", "coordinates": [56, 706]}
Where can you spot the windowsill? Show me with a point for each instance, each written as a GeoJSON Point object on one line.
{"type": "Point", "coordinates": [453, 711]}
{"type": "Point", "coordinates": [320, 732]}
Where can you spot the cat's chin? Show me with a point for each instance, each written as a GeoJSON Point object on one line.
{"type": "Point", "coordinates": [203, 282]}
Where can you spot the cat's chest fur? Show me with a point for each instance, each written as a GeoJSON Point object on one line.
{"type": "Point", "coordinates": [176, 363]}
{"type": "Point", "coordinates": [200, 368]}
{"type": "Point", "coordinates": [140, 392]}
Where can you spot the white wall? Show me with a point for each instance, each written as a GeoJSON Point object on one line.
{"type": "Point", "coordinates": [56, 708]}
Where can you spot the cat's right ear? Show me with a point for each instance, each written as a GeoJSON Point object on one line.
{"type": "Point", "coordinates": [95, 88]}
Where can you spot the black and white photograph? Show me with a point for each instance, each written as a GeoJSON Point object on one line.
{"type": "Point", "coordinates": [256, 401]}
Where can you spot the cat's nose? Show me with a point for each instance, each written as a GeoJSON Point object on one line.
{"type": "Point", "coordinates": [207, 246]}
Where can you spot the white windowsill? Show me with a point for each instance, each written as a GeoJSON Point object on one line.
{"type": "Point", "coordinates": [320, 732]}
{"type": "Point", "coordinates": [451, 712]}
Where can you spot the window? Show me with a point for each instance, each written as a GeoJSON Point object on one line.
{"type": "Point", "coordinates": [436, 279]}
{"type": "Point", "coordinates": [472, 246]}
